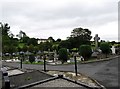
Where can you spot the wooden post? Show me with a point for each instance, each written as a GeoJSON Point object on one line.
{"type": "Point", "coordinates": [44, 58]}
{"type": "Point", "coordinates": [75, 65]}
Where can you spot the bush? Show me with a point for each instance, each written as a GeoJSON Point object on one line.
{"type": "Point", "coordinates": [105, 47]}
{"type": "Point", "coordinates": [85, 51]}
{"type": "Point", "coordinates": [31, 58]}
{"type": "Point", "coordinates": [63, 55]}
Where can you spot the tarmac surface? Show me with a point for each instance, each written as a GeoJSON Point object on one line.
{"type": "Point", "coordinates": [105, 72]}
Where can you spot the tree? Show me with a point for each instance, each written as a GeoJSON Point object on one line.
{"type": "Point", "coordinates": [25, 48]}
{"type": "Point", "coordinates": [12, 49]}
{"type": "Point", "coordinates": [25, 39]}
{"type": "Point", "coordinates": [31, 58]}
{"type": "Point", "coordinates": [36, 49]}
{"type": "Point", "coordinates": [55, 47]}
{"type": "Point", "coordinates": [5, 29]}
{"type": "Point", "coordinates": [47, 45]}
{"type": "Point", "coordinates": [63, 55]}
{"type": "Point", "coordinates": [113, 42]}
{"type": "Point", "coordinates": [31, 48]}
{"type": "Point", "coordinates": [85, 51]}
{"type": "Point", "coordinates": [21, 34]}
{"type": "Point", "coordinates": [58, 40]}
{"type": "Point", "coordinates": [80, 36]}
{"type": "Point", "coordinates": [32, 41]}
{"type": "Point", "coordinates": [51, 39]}
{"type": "Point", "coordinates": [7, 39]}
{"type": "Point", "coordinates": [105, 47]}
{"type": "Point", "coordinates": [65, 44]}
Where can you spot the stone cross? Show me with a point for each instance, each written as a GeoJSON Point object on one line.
{"type": "Point", "coordinates": [96, 38]}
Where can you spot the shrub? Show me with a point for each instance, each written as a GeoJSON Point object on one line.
{"type": "Point", "coordinates": [105, 47]}
{"type": "Point", "coordinates": [85, 51]}
{"type": "Point", "coordinates": [63, 55]}
{"type": "Point", "coordinates": [31, 58]}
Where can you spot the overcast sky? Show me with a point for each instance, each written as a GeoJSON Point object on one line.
{"type": "Point", "coordinates": [57, 18]}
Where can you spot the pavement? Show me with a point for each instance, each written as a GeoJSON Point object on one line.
{"type": "Point", "coordinates": [105, 72]}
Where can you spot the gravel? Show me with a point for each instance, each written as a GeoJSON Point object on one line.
{"type": "Point", "coordinates": [58, 83]}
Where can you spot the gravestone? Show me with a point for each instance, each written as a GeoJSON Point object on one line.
{"type": "Point", "coordinates": [55, 56]}
{"type": "Point", "coordinates": [81, 58]}
{"type": "Point", "coordinates": [97, 51]}
{"type": "Point", "coordinates": [96, 39]}
{"type": "Point", "coordinates": [113, 50]}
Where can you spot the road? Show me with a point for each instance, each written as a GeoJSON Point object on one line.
{"type": "Point", "coordinates": [105, 72]}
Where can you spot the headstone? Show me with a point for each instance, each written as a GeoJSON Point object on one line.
{"type": "Point", "coordinates": [96, 51]}
{"type": "Point", "coordinates": [36, 60]}
{"type": "Point", "coordinates": [94, 54]}
{"type": "Point", "coordinates": [113, 50]}
{"type": "Point", "coordinates": [55, 56]}
{"type": "Point", "coordinates": [81, 58]}
{"type": "Point", "coordinates": [96, 39]}
{"type": "Point", "coordinates": [68, 50]}
{"type": "Point", "coordinates": [71, 60]}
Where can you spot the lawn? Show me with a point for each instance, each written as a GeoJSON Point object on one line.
{"type": "Point", "coordinates": [27, 62]}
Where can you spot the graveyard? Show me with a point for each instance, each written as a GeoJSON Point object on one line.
{"type": "Point", "coordinates": [27, 79]}
{"type": "Point", "coordinates": [74, 62]}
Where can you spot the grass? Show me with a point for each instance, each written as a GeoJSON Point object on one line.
{"type": "Point", "coordinates": [27, 62]}
{"type": "Point", "coordinates": [89, 60]}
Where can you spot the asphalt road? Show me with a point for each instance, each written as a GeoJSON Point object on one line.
{"type": "Point", "coordinates": [105, 72]}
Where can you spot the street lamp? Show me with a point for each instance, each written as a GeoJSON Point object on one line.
{"type": "Point", "coordinates": [22, 54]}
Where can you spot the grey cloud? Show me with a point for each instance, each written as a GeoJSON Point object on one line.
{"type": "Point", "coordinates": [39, 16]}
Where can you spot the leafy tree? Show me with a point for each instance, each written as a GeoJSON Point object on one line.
{"type": "Point", "coordinates": [41, 46]}
{"type": "Point", "coordinates": [31, 48]}
{"type": "Point", "coordinates": [7, 37]}
{"type": "Point", "coordinates": [32, 41]}
{"type": "Point", "coordinates": [113, 42]}
{"type": "Point", "coordinates": [55, 47]}
{"type": "Point", "coordinates": [63, 55]}
{"type": "Point", "coordinates": [58, 40]}
{"type": "Point", "coordinates": [85, 51]}
{"type": "Point", "coordinates": [105, 47]}
{"type": "Point", "coordinates": [65, 44]}
{"type": "Point", "coordinates": [80, 36]}
{"type": "Point", "coordinates": [5, 49]}
{"type": "Point", "coordinates": [5, 29]}
{"type": "Point", "coordinates": [25, 48]}
{"type": "Point", "coordinates": [36, 49]}
{"type": "Point", "coordinates": [47, 45]}
{"type": "Point", "coordinates": [21, 34]}
{"type": "Point", "coordinates": [12, 49]}
{"type": "Point", "coordinates": [25, 39]}
{"type": "Point", "coordinates": [51, 39]}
